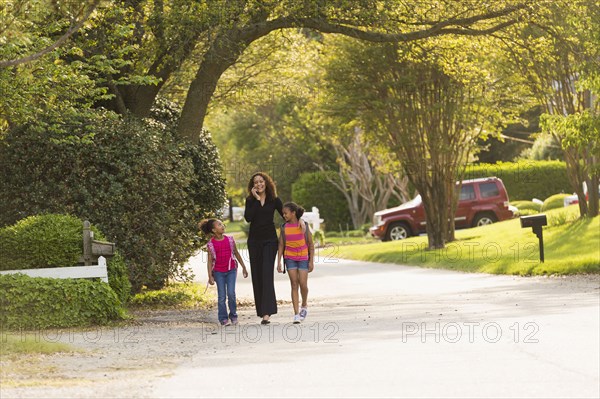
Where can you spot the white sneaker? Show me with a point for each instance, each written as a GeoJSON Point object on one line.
{"type": "Point", "coordinates": [303, 313]}
{"type": "Point", "coordinates": [297, 319]}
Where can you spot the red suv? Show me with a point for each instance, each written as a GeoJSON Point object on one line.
{"type": "Point", "coordinates": [482, 201]}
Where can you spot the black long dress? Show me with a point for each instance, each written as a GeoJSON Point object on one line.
{"type": "Point", "coordinates": [262, 247]}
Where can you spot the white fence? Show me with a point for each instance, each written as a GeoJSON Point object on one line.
{"type": "Point", "coordinates": [96, 271]}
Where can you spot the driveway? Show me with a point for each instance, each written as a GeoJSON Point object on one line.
{"type": "Point", "coordinates": [380, 330]}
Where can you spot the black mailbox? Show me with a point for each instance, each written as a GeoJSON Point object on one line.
{"type": "Point", "coordinates": [536, 222]}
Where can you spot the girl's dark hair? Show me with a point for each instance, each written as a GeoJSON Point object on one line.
{"type": "Point", "coordinates": [270, 189]}
{"type": "Point", "coordinates": [207, 225]}
{"type": "Point", "coordinates": [294, 208]}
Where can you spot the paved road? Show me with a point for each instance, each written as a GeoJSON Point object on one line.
{"type": "Point", "coordinates": [377, 330]}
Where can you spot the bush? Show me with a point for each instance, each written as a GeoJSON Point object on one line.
{"type": "Point", "coordinates": [526, 206]}
{"type": "Point", "coordinates": [27, 302]}
{"type": "Point", "coordinates": [128, 176]}
{"type": "Point", "coordinates": [313, 189]}
{"type": "Point", "coordinates": [55, 241]}
{"type": "Point", "coordinates": [554, 202]}
{"type": "Point", "coordinates": [173, 295]}
{"type": "Point", "coordinates": [41, 241]}
{"type": "Point", "coordinates": [525, 180]}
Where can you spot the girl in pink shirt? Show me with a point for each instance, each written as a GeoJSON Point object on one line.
{"type": "Point", "coordinates": [222, 267]}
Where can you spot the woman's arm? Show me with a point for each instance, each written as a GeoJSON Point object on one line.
{"type": "Point", "coordinates": [251, 208]}
{"type": "Point", "coordinates": [280, 253]}
{"type": "Point", "coordinates": [311, 252]}
{"type": "Point", "coordinates": [240, 260]}
{"type": "Point", "coordinates": [279, 206]}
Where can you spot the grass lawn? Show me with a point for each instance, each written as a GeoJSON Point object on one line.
{"type": "Point", "coordinates": [570, 247]}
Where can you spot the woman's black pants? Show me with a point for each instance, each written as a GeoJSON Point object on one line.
{"type": "Point", "coordinates": [262, 264]}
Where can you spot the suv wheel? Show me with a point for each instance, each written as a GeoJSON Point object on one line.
{"type": "Point", "coordinates": [397, 231]}
{"type": "Point", "coordinates": [483, 219]}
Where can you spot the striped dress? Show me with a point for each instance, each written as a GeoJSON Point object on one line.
{"type": "Point", "coordinates": [296, 247]}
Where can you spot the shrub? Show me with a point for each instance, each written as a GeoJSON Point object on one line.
{"type": "Point", "coordinates": [525, 180]}
{"type": "Point", "coordinates": [313, 189]}
{"type": "Point", "coordinates": [41, 241]}
{"type": "Point", "coordinates": [128, 176]}
{"type": "Point", "coordinates": [27, 302]}
{"type": "Point", "coordinates": [177, 294]}
{"type": "Point", "coordinates": [554, 202]}
{"type": "Point", "coordinates": [53, 240]}
{"type": "Point", "coordinates": [526, 206]}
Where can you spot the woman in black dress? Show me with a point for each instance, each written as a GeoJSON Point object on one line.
{"type": "Point", "coordinates": [261, 204]}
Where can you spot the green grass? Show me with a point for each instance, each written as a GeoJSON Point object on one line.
{"type": "Point", "coordinates": [179, 295]}
{"type": "Point", "coordinates": [570, 247]}
{"type": "Point", "coordinates": [232, 227]}
{"type": "Point", "coordinates": [31, 343]}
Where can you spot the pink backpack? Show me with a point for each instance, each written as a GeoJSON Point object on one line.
{"type": "Point", "coordinates": [211, 248]}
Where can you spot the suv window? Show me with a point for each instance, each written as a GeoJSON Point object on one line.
{"type": "Point", "coordinates": [467, 193]}
{"type": "Point", "coordinates": [488, 190]}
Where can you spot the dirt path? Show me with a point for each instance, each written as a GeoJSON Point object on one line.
{"type": "Point", "coordinates": [373, 330]}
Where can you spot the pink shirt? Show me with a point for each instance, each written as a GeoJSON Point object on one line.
{"type": "Point", "coordinates": [223, 260]}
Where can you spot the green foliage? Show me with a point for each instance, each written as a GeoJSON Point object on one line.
{"type": "Point", "coordinates": [525, 180]}
{"type": "Point", "coordinates": [41, 241]}
{"type": "Point", "coordinates": [189, 295]}
{"type": "Point", "coordinates": [526, 206]}
{"type": "Point", "coordinates": [553, 202]}
{"type": "Point", "coordinates": [118, 277]}
{"type": "Point", "coordinates": [544, 148]}
{"type": "Point", "coordinates": [313, 189]}
{"type": "Point", "coordinates": [27, 302]}
{"type": "Point", "coordinates": [128, 176]}
{"type": "Point", "coordinates": [53, 240]}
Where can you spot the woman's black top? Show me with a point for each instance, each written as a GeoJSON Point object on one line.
{"type": "Point", "coordinates": [260, 218]}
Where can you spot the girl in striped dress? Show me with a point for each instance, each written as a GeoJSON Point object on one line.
{"type": "Point", "coordinates": [298, 254]}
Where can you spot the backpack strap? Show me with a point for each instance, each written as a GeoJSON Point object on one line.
{"type": "Point", "coordinates": [232, 246]}
{"type": "Point", "coordinates": [211, 247]}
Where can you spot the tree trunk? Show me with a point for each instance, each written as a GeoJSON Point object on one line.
{"type": "Point", "coordinates": [592, 184]}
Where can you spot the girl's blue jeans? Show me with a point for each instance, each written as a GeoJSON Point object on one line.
{"type": "Point", "coordinates": [226, 287]}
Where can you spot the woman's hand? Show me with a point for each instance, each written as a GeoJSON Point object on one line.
{"type": "Point", "coordinates": [255, 193]}
{"type": "Point", "coordinates": [211, 280]}
{"type": "Point", "coordinates": [244, 272]}
{"type": "Point", "coordinates": [279, 268]}
{"type": "Point", "coordinates": [311, 265]}
{"type": "Point", "coordinates": [302, 226]}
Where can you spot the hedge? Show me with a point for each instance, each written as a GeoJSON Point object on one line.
{"type": "Point", "coordinates": [27, 302]}
{"type": "Point", "coordinates": [525, 180]}
{"type": "Point", "coordinates": [52, 240]}
{"type": "Point", "coordinates": [132, 177]}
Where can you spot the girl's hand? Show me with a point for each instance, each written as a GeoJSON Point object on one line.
{"type": "Point", "coordinates": [255, 193]}
{"type": "Point", "coordinates": [244, 272]}
{"type": "Point", "coordinates": [279, 268]}
{"type": "Point", "coordinates": [211, 280]}
{"type": "Point", "coordinates": [311, 266]}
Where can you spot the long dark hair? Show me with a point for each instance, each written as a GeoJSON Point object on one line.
{"type": "Point", "coordinates": [270, 189]}
{"type": "Point", "coordinates": [295, 209]}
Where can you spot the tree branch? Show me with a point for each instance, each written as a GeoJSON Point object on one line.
{"type": "Point", "coordinates": [56, 44]}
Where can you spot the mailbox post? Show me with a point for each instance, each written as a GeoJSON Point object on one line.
{"type": "Point", "coordinates": [536, 222]}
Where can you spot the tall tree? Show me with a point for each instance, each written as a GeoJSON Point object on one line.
{"type": "Point", "coordinates": [557, 54]}
{"type": "Point", "coordinates": [146, 41]}
{"type": "Point", "coordinates": [428, 103]}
